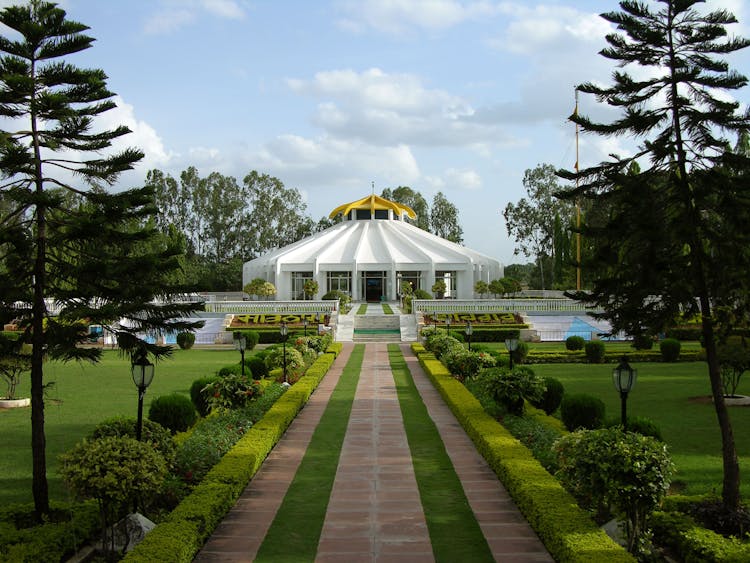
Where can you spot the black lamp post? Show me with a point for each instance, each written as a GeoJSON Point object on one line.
{"type": "Point", "coordinates": [434, 320]}
{"type": "Point", "coordinates": [284, 335]}
{"type": "Point", "coordinates": [624, 378]}
{"type": "Point", "coordinates": [447, 323]}
{"type": "Point", "coordinates": [142, 372]}
{"type": "Point", "coordinates": [241, 345]}
{"type": "Point", "coordinates": [511, 344]}
{"type": "Point", "coordinates": [469, 330]}
{"type": "Point", "coordinates": [304, 324]}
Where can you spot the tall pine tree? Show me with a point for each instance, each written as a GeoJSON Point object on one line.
{"type": "Point", "coordinates": [664, 249]}
{"type": "Point", "coordinates": [88, 255]}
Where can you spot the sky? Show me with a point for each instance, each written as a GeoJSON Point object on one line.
{"type": "Point", "coordinates": [335, 96]}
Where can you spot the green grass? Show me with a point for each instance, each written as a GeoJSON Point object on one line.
{"type": "Point", "coordinates": [295, 531]}
{"type": "Point", "coordinates": [362, 309]}
{"type": "Point", "coordinates": [387, 309]}
{"type": "Point", "coordinates": [454, 531]}
{"type": "Point", "coordinates": [675, 397]}
{"type": "Point", "coordinates": [83, 395]}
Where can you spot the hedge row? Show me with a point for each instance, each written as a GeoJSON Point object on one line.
{"type": "Point", "coordinates": [690, 541]}
{"type": "Point", "coordinates": [578, 356]}
{"type": "Point", "coordinates": [566, 530]}
{"type": "Point", "coordinates": [51, 541]}
{"type": "Point", "coordinates": [188, 526]}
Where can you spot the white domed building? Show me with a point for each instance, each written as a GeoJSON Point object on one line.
{"type": "Point", "coordinates": [370, 254]}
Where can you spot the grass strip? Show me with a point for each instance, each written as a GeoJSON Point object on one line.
{"type": "Point", "coordinates": [362, 310]}
{"type": "Point", "coordinates": [295, 531]}
{"type": "Point", "coordinates": [454, 530]}
{"type": "Point", "coordinates": [387, 309]}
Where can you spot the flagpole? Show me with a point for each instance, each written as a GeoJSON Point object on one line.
{"type": "Point", "coordinates": [578, 209]}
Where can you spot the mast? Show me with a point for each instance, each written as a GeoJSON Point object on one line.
{"type": "Point", "coordinates": [578, 208]}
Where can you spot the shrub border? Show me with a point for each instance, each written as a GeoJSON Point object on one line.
{"type": "Point", "coordinates": [566, 530]}
{"type": "Point", "coordinates": [187, 527]}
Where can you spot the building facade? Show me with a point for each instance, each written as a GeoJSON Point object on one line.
{"type": "Point", "coordinates": [370, 254]}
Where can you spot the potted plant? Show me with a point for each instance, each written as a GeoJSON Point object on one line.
{"type": "Point", "coordinates": [15, 360]}
{"type": "Point", "coordinates": [439, 288]}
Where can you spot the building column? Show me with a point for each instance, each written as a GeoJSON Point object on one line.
{"type": "Point", "coordinates": [391, 294]}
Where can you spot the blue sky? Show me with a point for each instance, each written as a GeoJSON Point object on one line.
{"type": "Point", "coordinates": [458, 96]}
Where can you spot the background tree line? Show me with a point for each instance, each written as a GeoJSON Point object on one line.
{"type": "Point", "coordinates": [222, 223]}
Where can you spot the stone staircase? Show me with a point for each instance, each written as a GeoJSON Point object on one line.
{"type": "Point", "coordinates": [377, 328]}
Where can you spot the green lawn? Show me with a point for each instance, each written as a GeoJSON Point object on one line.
{"type": "Point", "coordinates": [84, 395]}
{"type": "Point", "coordinates": [675, 396]}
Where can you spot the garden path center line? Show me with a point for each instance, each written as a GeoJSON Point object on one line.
{"type": "Point", "coordinates": [375, 513]}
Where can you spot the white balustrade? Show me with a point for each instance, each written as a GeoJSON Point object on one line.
{"type": "Point", "coordinates": [270, 307]}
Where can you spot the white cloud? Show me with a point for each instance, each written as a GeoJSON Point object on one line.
{"type": "Point", "coordinates": [318, 161]}
{"type": "Point", "coordinates": [463, 179]}
{"type": "Point", "coordinates": [176, 14]}
{"type": "Point", "coordinates": [398, 16]}
{"type": "Point", "coordinates": [390, 109]}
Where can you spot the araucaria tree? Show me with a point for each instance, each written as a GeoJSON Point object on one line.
{"type": "Point", "coordinates": [675, 239]}
{"type": "Point", "coordinates": [65, 243]}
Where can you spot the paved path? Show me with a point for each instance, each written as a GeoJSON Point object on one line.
{"type": "Point", "coordinates": [374, 513]}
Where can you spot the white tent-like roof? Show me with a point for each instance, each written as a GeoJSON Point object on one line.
{"type": "Point", "coordinates": [369, 254]}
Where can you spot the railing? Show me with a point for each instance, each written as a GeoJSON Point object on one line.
{"type": "Point", "coordinates": [497, 306]}
{"type": "Point", "coordinates": [272, 307]}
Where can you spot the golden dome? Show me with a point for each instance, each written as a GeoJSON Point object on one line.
{"type": "Point", "coordinates": [373, 203]}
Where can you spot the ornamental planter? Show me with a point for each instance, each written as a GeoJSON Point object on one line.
{"type": "Point", "coordinates": [14, 403]}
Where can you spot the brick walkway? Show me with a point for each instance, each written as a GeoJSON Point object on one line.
{"type": "Point", "coordinates": [374, 513]}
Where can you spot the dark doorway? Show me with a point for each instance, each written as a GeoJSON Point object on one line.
{"type": "Point", "coordinates": [373, 289]}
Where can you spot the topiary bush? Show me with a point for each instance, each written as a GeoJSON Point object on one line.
{"type": "Point", "coordinates": [521, 353]}
{"type": "Point", "coordinates": [257, 367]}
{"type": "Point", "coordinates": [575, 342]}
{"type": "Point", "coordinates": [464, 364]}
{"type": "Point", "coordinates": [643, 342]}
{"type": "Point", "coordinates": [582, 411]}
{"type": "Point", "coordinates": [152, 433]}
{"type": "Point", "coordinates": [185, 340]}
{"type": "Point", "coordinates": [625, 471]}
{"type": "Point", "coordinates": [295, 363]}
{"type": "Point", "coordinates": [670, 349]}
{"type": "Point", "coordinates": [639, 424]}
{"type": "Point", "coordinates": [422, 294]}
{"type": "Point", "coordinates": [510, 388]}
{"type": "Point", "coordinates": [116, 471]}
{"type": "Point", "coordinates": [552, 396]}
{"type": "Point", "coordinates": [175, 412]}
{"type": "Point", "coordinates": [594, 351]}
{"type": "Point", "coordinates": [200, 396]}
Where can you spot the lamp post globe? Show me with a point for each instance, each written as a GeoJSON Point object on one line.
{"type": "Point", "coordinates": [142, 372]}
{"type": "Point", "coordinates": [447, 324]}
{"type": "Point", "coordinates": [624, 378]}
{"type": "Point", "coordinates": [469, 330]}
{"type": "Point", "coordinates": [304, 324]}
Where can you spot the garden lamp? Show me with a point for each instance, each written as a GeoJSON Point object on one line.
{"type": "Point", "coordinates": [624, 377]}
{"type": "Point", "coordinates": [469, 330]}
{"type": "Point", "coordinates": [447, 324]}
{"type": "Point", "coordinates": [304, 324]}
{"type": "Point", "coordinates": [142, 372]}
{"type": "Point", "coordinates": [241, 345]}
{"type": "Point", "coordinates": [434, 320]}
{"type": "Point", "coordinates": [511, 344]}
{"type": "Point", "coordinates": [284, 331]}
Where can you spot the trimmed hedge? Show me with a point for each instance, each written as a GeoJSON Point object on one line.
{"type": "Point", "coordinates": [569, 357]}
{"type": "Point", "coordinates": [182, 534]}
{"type": "Point", "coordinates": [566, 530]}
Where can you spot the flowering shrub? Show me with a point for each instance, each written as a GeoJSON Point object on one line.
{"type": "Point", "coordinates": [463, 363]}
{"type": "Point", "coordinates": [295, 363]}
{"type": "Point", "coordinates": [232, 392]}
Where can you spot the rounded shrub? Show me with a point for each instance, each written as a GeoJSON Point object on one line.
{"type": "Point", "coordinates": [185, 340]}
{"type": "Point", "coordinates": [151, 433]}
{"type": "Point", "coordinates": [552, 396]}
{"type": "Point", "coordinates": [639, 424]}
{"type": "Point", "coordinates": [201, 400]}
{"type": "Point", "coordinates": [175, 412]}
{"type": "Point", "coordinates": [594, 351]}
{"type": "Point", "coordinates": [582, 411]}
{"type": "Point", "coordinates": [521, 353]}
{"type": "Point", "coordinates": [670, 349]}
{"type": "Point", "coordinates": [257, 367]}
{"type": "Point", "coordinates": [574, 342]}
{"type": "Point", "coordinates": [510, 387]}
{"type": "Point", "coordinates": [643, 342]}
{"type": "Point", "coordinates": [422, 294]}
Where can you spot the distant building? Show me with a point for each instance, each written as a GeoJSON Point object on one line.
{"type": "Point", "coordinates": [370, 254]}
